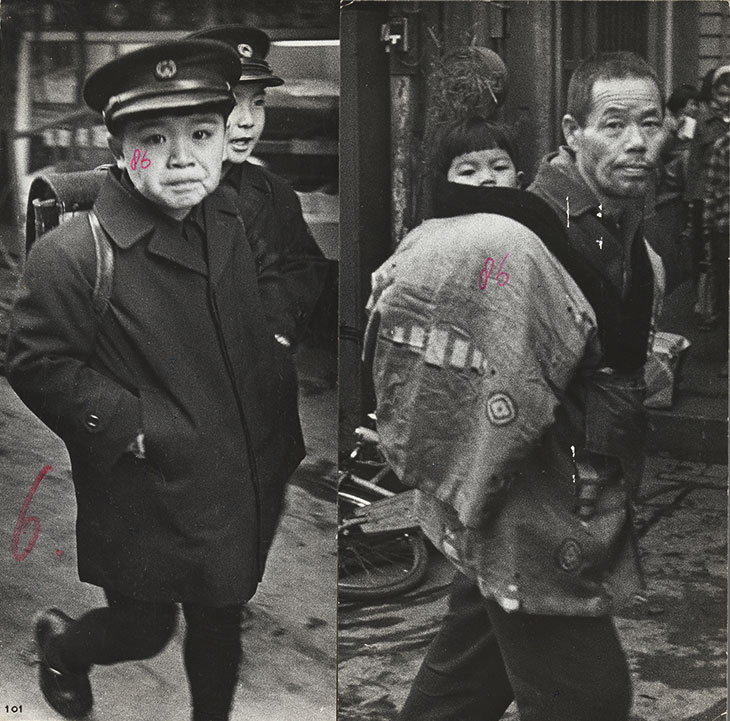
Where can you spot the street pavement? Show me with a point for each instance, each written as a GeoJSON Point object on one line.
{"type": "Point", "coordinates": [289, 631]}
{"type": "Point", "coordinates": [675, 640]}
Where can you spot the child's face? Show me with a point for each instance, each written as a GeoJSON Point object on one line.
{"type": "Point", "coordinates": [246, 121]}
{"type": "Point", "coordinates": [484, 167]}
{"type": "Point", "coordinates": [721, 92]}
{"type": "Point", "coordinates": [185, 155]}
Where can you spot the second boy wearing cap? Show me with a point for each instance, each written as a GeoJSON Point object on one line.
{"type": "Point", "coordinates": [290, 265]}
{"type": "Point", "coordinates": [178, 408]}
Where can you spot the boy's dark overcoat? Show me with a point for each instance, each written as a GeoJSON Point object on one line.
{"type": "Point", "coordinates": [185, 355]}
{"type": "Point", "coordinates": [291, 267]}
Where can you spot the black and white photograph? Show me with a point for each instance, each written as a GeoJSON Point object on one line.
{"type": "Point", "coordinates": [533, 361]}
{"type": "Point", "coordinates": [364, 361]}
{"type": "Point", "coordinates": [169, 214]}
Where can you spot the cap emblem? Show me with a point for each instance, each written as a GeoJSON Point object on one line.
{"type": "Point", "coordinates": [245, 51]}
{"type": "Point", "coordinates": [165, 70]}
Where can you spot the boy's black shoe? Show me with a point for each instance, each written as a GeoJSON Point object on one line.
{"type": "Point", "coordinates": [68, 693]}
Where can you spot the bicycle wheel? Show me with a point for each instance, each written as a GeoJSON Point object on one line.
{"type": "Point", "coordinates": [375, 567]}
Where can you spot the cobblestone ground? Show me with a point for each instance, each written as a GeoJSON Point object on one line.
{"type": "Point", "coordinates": [288, 632]}
{"type": "Point", "coordinates": [676, 642]}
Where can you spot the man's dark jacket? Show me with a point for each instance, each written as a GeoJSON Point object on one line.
{"type": "Point", "coordinates": [184, 354]}
{"type": "Point", "coordinates": [291, 268]}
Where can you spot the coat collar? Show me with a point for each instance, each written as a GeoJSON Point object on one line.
{"type": "Point", "coordinates": [562, 184]}
{"type": "Point", "coordinates": [252, 176]}
{"type": "Point", "coordinates": [128, 218]}
{"type": "Point", "coordinates": [124, 215]}
{"type": "Point", "coordinates": [559, 179]}
{"type": "Point", "coordinates": [251, 186]}
{"type": "Point", "coordinates": [223, 230]}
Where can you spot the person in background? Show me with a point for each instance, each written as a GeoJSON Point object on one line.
{"type": "Point", "coordinates": [514, 404]}
{"type": "Point", "coordinates": [682, 106]}
{"type": "Point", "coordinates": [176, 404]}
{"type": "Point", "coordinates": [680, 123]}
{"type": "Point", "coordinates": [715, 211]}
{"type": "Point", "coordinates": [712, 122]}
{"type": "Point", "coordinates": [291, 266]}
{"type": "Point", "coordinates": [669, 230]}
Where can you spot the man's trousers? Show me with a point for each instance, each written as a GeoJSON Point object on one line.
{"type": "Point", "coordinates": [557, 668]}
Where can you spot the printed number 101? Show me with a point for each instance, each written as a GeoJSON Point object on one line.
{"type": "Point", "coordinates": [14, 709]}
{"type": "Point", "coordinates": [487, 271]}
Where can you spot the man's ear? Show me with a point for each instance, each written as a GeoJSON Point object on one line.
{"type": "Point", "coordinates": [521, 180]}
{"type": "Point", "coordinates": [571, 131]}
{"type": "Point", "coordinates": [115, 145]}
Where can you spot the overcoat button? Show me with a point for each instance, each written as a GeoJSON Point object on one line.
{"type": "Point", "coordinates": [92, 422]}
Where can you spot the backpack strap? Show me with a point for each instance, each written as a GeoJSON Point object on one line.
{"type": "Point", "coordinates": [104, 279]}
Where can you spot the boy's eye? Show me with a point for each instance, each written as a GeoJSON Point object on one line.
{"type": "Point", "coordinates": [501, 166]}
{"type": "Point", "coordinates": [201, 134]}
{"type": "Point", "coordinates": [154, 139]}
{"type": "Point", "coordinates": [651, 123]}
{"type": "Point", "coordinates": [465, 171]}
{"type": "Point", "coordinates": [259, 102]}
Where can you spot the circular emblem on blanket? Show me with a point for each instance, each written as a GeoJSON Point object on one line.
{"type": "Point", "coordinates": [570, 555]}
{"type": "Point", "coordinates": [165, 70]}
{"type": "Point", "coordinates": [501, 409]}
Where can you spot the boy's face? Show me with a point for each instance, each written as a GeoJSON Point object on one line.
{"type": "Point", "coordinates": [185, 155]}
{"type": "Point", "coordinates": [484, 167]}
{"type": "Point", "coordinates": [246, 121]}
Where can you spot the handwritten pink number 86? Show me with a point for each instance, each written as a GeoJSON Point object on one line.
{"type": "Point", "coordinates": [136, 159]}
{"type": "Point", "coordinates": [485, 273]}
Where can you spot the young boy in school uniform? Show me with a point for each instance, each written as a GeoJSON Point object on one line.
{"type": "Point", "coordinates": [291, 267]}
{"type": "Point", "coordinates": [177, 405]}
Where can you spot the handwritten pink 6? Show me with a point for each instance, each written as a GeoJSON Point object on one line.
{"type": "Point", "coordinates": [503, 272]}
{"type": "Point", "coordinates": [24, 520]}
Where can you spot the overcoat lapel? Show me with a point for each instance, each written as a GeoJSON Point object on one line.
{"type": "Point", "coordinates": [253, 191]}
{"type": "Point", "coordinates": [125, 228]}
{"type": "Point", "coordinates": [223, 229]}
{"type": "Point", "coordinates": [124, 217]}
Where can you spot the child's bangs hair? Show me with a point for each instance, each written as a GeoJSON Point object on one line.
{"type": "Point", "coordinates": [468, 136]}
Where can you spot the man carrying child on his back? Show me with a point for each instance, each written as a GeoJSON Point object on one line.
{"type": "Point", "coordinates": [514, 404]}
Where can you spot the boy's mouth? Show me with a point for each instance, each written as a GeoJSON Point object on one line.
{"type": "Point", "coordinates": [243, 143]}
{"type": "Point", "coordinates": [184, 185]}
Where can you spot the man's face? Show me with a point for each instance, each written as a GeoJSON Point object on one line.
{"type": "Point", "coordinates": [185, 155]}
{"type": "Point", "coordinates": [618, 147]}
{"type": "Point", "coordinates": [246, 122]}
